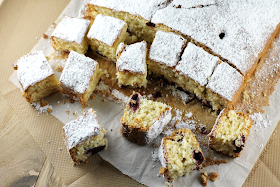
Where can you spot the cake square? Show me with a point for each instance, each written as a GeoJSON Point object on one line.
{"type": "Point", "coordinates": [179, 154]}
{"type": "Point", "coordinates": [224, 87]}
{"type": "Point", "coordinates": [230, 132]}
{"type": "Point", "coordinates": [83, 137]}
{"type": "Point", "coordinates": [79, 77]}
{"type": "Point", "coordinates": [69, 35]}
{"type": "Point", "coordinates": [165, 53]}
{"type": "Point", "coordinates": [143, 120]}
{"type": "Point", "coordinates": [36, 76]}
{"type": "Point", "coordinates": [131, 64]}
{"type": "Point", "coordinates": [194, 69]}
{"type": "Point", "coordinates": [105, 34]}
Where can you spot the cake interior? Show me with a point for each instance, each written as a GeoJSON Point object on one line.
{"type": "Point", "coordinates": [91, 146]}
{"type": "Point", "coordinates": [41, 89]}
{"type": "Point", "coordinates": [230, 132]}
{"type": "Point", "coordinates": [142, 113]}
{"type": "Point", "coordinates": [66, 46]}
{"type": "Point", "coordinates": [182, 154]}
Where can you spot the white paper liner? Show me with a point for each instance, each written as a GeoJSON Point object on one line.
{"type": "Point", "coordinates": [136, 161]}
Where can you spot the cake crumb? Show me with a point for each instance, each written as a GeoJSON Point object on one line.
{"type": "Point", "coordinates": [204, 178]}
{"type": "Point", "coordinates": [60, 149]}
{"type": "Point", "coordinates": [93, 97]}
{"type": "Point", "coordinates": [111, 129]}
{"type": "Point", "coordinates": [155, 144]}
{"type": "Point", "coordinates": [67, 111]}
{"type": "Point", "coordinates": [63, 101]}
{"type": "Point", "coordinates": [162, 170]}
{"type": "Point", "coordinates": [49, 110]}
{"type": "Point", "coordinates": [74, 113]}
{"type": "Point", "coordinates": [43, 103]}
{"type": "Point", "coordinates": [264, 94]}
{"type": "Point", "coordinates": [70, 100]}
{"type": "Point", "coordinates": [209, 162]}
{"type": "Point", "coordinates": [168, 184]}
{"type": "Point", "coordinates": [103, 100]}
{"type": "Point", "coordinates": [59, 69]}
{"type": "Point", "coordinates": [45, 36]}
{"type": "Point", "coordinates": [213, 176]}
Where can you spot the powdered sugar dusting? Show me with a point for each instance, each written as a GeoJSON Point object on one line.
{"type": "Point", "coordinates": [120, 96]}
{"type": "Point", "coordinates": [260, 121]}
{"type": "Point", "coordinates": [167, 48]}
{"type": "Point", "coordinates": [225, 81]}
{"type": "Point", "coordinates": [78, 71]}
{"type": "Point", "coordinates": [190, 3]}
{"type": "Point", "coordinates": [180, 94]}
{"type": "Point", "coordinates": [133, 58]}
{"type": "Point", "coordinates": [41, 109]}
{"type": "Point", "coordinates": [236, 30]}
{"type": "Point", "coordinates": [106, 33]}
{"type": "Point", "coordinates": [143, 8]}
{"type": "Point", "coordinates": [71, 29]}
{"type": "Point", "coordinates": [190, 124]}
{"type": "Point", "coordinates": [81, 128]}
{"type": "Point", "coordinates": [33, 68]}
{"type": "Point", "coordinates": [158, 126]}
{"type": "Point", "coordinates": [197, 64]}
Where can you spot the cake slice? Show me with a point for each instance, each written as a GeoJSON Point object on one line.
{"type": "Point", "coordinates": [79, 77]}
{"type": "Point", "coordinates": [131, 64]}
{"type": "Point", "coordinates": [36, 76]}
{"type": "Point", "coordinates": [69, 35]}
{"type": "Point", "coordinates": [230, 132]}
{"type": "Point", "coordinates": [105, 34]}
{"type": "Point", "coordinates": [194, 69]}
{"type": "Point", "coordinates": [179, 154]}
{"type": "Point", "coordinates": [137, 14]}
{"type": "Point", "coordinates": [165, 52]}
{"type": "Point", "coordinates": [224, 87]}
{"type": "Point", "coordinates": [143, 120]}
{"type": "Point", "coordinates": [83, 137]}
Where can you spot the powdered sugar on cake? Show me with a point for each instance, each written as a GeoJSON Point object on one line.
{"type": "Point", "coordinates": [106, 29]}
{"type": "Point", "coordinates": [143, 8]}
{"type": "Point", "coordinates": [191, 3]}
{"type": "Point", "coordinates": [81, 129]}
{"type": "Point", "coordinates": [158, 126]}
{"type": "Point", "coordinates": [225, 81]}
{"type": "Point", "coordinates": [33, 68]}
{"type": "Point", "coordinates": [236, 30]}
{"type": "Point", "coordinates": [71, 29]}
{"type": "Point", "coordinates": [78, 72]}
{"type": "Point", "coordinates": [197, 64]}
{"type": "Point", "coordinates": [133, 58]}
{"type": "Point", "coordinates": [166, 48]}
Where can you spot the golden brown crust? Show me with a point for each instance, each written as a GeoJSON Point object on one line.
{"type": "Point", "coordinates": [134, 134]}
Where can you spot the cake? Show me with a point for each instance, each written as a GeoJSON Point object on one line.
{"type": "Point", "coordinates": [143, 120]}
{"type": "Point", "coordinates": [131, 64]}
{"type": "Point", "coordinates": [179, 154]}
{"type": "Point", "coordinates": [105, 34]}
{"type": "Point", "coordinates": [137, 14]}
{"type": "Point", "coordinates": [224, 87]}
{"type": "Point", "coordinates": [165, 53]}
{"type": "Point", "coordinates": [79, 77]}
{"type": "Point", "coordinates": [84, 136]}
{"type": "Point", "coordinates": [36, 76]}
{"type": "Point", "coordinates": [227, 30]}
{"type": "Point", "coordinates": [230, 132]}
{"type": "Point", "coordinates": [194, 69]}
{"type": "Point", "coordinates": [70, 35]}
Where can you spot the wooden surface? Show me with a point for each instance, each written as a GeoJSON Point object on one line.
{"type": "Point", "coordinates": [26, 160]}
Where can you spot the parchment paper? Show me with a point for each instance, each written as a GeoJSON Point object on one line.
{"type": "Point", "coordinates": [136, 161]}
